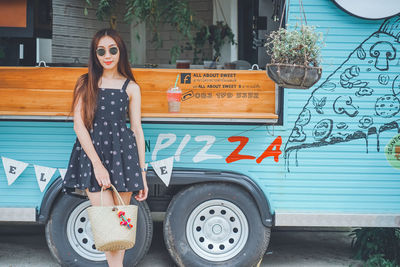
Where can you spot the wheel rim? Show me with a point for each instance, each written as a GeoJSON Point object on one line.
{"type": "Point", "coordinates": [80, 235]}
{"type": "Point", "coordinates": [217, 230]}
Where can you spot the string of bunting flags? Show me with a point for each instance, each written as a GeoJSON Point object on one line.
{"type": "Point", "coordinates": [14, 168]}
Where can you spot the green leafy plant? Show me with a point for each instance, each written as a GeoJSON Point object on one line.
{"type": "Point", "coordinates": [372, 244]}
{"type": "Point", "coordinates": [216, 35]}
{"type": "Point", "coordinates": [300, 45]}
{"type": "Point", "coordinates": [154, 13]}
{"type": "Point", "coordinates": [378, 260]}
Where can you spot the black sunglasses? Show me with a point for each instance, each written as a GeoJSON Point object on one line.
{"type": "Point", "coordinates": [101, 51]}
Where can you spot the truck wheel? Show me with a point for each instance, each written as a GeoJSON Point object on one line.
{"type": "Point", "coordinates": [69, 236]}
{"type": "Point", "coordinates": [215, 224]}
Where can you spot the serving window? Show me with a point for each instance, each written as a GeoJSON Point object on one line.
{"type": "Point", "coordinates": [207, 95]}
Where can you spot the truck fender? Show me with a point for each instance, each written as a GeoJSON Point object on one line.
{"type": "Point", "coordinates": [48, 200]}
{"type": "Point", "coordinates": [191, 176]}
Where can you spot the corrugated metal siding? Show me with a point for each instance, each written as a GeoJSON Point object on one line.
{"type": "Point", "coordinates": [40, 143]}
{"type": "Point", "coordinates": [352, 176]}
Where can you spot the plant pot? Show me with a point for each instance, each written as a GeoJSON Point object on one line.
{"type": "Point", "coordinates": [210, 64]}
{"type": "Point", "coordinates": [183, 64]}
{"type": "Point", "coordinates": [294, 76]}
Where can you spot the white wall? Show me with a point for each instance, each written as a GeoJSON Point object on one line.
{"type": "Point", "coordinates": [226, 10]}
{"type": "Point", "coordinates": [138, 43]}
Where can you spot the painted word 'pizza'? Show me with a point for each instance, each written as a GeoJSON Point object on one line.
{"type": "Point", "coordinates": [165, 141]}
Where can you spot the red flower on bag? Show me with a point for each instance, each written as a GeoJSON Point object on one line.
{"type": "Point", "coordinates": [124, 221]}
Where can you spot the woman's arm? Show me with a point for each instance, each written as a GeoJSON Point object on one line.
{"type": "Point", "coordinates": [135, 114]}
{"type": "Point", "coordinates": [83, 134]}
{"type": "Point", "coordinates": [101, 173]}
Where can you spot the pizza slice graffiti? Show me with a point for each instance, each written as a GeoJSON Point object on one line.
{"type": "Point", "coordinates": [360, 98]}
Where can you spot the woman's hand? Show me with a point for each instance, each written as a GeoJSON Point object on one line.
{"type": "Point", "coordinates": [102, 175]}
{"type": "Point", "coordinates": [142, 195]}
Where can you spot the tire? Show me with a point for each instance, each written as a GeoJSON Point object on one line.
{"type": "Point", "coordinates": [70, 240]}
{"type": "Point", "coordinates": [215, 224]}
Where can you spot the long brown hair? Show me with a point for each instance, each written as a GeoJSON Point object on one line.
{"type": "Point", "coordinates": [87, 87]}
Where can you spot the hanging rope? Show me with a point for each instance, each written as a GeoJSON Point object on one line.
{"type": "Point", "coordinates": [283, 12]}
{"type": "Point", "coordinates": [222, 11]}
{"type": "Point", "coordinates": [302, 10]}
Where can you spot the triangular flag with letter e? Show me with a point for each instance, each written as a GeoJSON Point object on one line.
{"type": "Point", "coordinates": [163, 169]}
{"type": "Point", "coordinates": [43, 175]}
{"type": "Point", "coordinates": [62, 172]}
{"type": "Point", "coordinates": [13, 169]}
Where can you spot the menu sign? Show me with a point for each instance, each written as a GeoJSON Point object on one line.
{"type": "Point", "coordinates": [209, 91]}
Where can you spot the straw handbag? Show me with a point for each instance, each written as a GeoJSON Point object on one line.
{"type": "Point", "coordinates": [113, 227]}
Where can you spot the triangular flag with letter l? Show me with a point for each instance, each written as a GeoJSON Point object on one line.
{"type": "Point", "coordinates": [13, 169]}
{"type": "Point", "coordinates": [163, 168]}
{"type": "Point", "coordinates": [62, 172]}
{"type": "Point", "coordinates": [43, 175]}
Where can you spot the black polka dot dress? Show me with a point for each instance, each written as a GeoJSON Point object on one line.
{"type": "Point", "coordinates": [115, 144]}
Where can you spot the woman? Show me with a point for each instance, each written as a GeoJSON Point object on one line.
{"type": "Point", "coordinates": [106, 151]}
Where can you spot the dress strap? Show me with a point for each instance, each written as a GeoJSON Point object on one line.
{"type": "Point", "coordinates": [125, 84]}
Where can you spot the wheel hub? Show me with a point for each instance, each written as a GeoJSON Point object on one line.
{"type": "Point", "coordinates": [79, 233]}
{"type": "Point", "coordinates": [217, 230]}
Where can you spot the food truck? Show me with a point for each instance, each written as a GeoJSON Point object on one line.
{"type": "Point", "coordinates": [240, 157]}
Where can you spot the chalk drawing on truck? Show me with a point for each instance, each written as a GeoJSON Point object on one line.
{"type": "Point", "coordinates": [360, 98]}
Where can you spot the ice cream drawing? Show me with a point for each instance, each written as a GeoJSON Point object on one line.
{"type": "Point", "coordinates": [360, 98]}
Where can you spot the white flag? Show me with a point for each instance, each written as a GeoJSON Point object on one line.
{"type": "Point", "coordinates": [43, 175]}
{"type": "Point", "coordinates": [163, 168]}
{"type": "Point", "coordinates": [62, 172]}
{"type": "Point", "coordinates": [13, 169]}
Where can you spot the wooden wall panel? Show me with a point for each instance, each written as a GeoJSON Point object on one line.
{"type": "Point", "coordinates": [49, 91]}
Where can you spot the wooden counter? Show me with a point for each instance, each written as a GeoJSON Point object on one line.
{"type": "Point", "coordinates": [207, 94]}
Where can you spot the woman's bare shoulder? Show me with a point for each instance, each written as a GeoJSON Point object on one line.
{"type": "Point", "coordinates": [132, 87]}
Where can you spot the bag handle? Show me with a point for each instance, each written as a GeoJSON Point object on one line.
{"type": "Point", "coordinates": [115, 191]}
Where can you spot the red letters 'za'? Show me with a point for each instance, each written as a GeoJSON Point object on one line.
{"type": "Point", "coordinates": [270, 152]}
{"type": "Point", "coordinates": [235, 156]}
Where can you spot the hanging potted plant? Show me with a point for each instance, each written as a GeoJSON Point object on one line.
{"type": "Point", "coordinates": [295, 56]}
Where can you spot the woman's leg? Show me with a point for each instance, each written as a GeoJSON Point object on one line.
{"type": "Point", "coordinates": [114, 258]}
